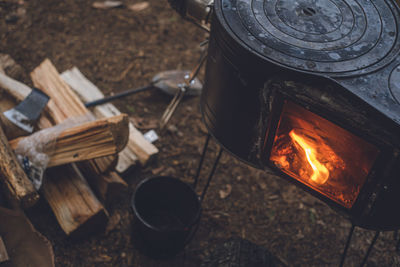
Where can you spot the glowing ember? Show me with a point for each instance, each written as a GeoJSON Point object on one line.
{"type": "Point", "coordinates": [320, 172]}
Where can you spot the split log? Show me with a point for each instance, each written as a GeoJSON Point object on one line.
{"type": "Point", "coordinates": [99, 167]}
{"type": "Point", "coordinates": [137, 146]}
{"type": "Point", "coordinates": [82, 213]}
{"type": "Point", "coordinates": [108, 186]}
{"type": "Point", "coordinates": [86, 141]}
{"type": "Point", "coordinates": [16, 184]}
{"type": "Point", "coordinates": [64, 195]}
{"type": "Point", "coordinates": [64, 103]}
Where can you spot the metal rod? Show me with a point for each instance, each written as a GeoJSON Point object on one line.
{"type": "Point", "coordinates": [201, 26]}
{"type": "Point", "coordinates": [119, 95]}
{"type": "Point", "coordinates": [172, 107]}
{"type": "Point", "coordinates": [179, 95]}
{"type": "Point", "coordinates": [211, 175]}
{"type": "Point", "coordinates": [203, 154]}
{"type": "Point", "coordinates": [370, 248]}
{"type": "Point", "coordinates": [347, 245]}
{"type": "Point", "coordinates": [197, 68]}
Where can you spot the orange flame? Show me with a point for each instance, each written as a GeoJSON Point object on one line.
{"type": "Point", "coordinates": [320, 172]}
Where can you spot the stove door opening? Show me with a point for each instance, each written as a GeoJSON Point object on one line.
{"type": "Point", "coordinates": [321, 155]}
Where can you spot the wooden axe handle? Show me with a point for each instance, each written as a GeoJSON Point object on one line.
{"type": "Point", "coordinates": [13, 87]}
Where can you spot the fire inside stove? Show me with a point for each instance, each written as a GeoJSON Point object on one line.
{"type": "Point", "coordinates": [321, 155]}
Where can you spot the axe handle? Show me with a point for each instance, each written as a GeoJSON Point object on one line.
{"type": "Point", "coordinates": [13, 87]}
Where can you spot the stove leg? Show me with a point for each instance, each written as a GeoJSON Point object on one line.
{"type": "Point", "coordinates": [370, 248]}
{"type": "Point", "coordinates": [211, 174]}
{"type": "Point", "coordinates": [347, 245]}
{"type": "Point", "coordinates": [203, 154]}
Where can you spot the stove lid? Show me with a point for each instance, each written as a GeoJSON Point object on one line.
{"type": "Point", "coordinates": [334, 37]}
{"type": "Point", "coordinates": [340, 39]}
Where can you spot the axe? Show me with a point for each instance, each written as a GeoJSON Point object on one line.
{"type": "Point", "coordinates": [25, 114]}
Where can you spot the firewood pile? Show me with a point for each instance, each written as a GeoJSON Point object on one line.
{"type": "Point", "coordinates": [85, 151]}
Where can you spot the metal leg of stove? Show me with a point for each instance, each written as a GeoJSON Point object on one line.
{"type": "Point", "coordinates": [179, 94]}
{"type": "Point", "coordinates": [211, 174]}
{"type": "Point", "coordinates": [347, 245]}
{"type": "Point", "coordinates": [344, 254]}
{"type": "Point", "coordinates": [203, 154]}
{"type": "Point", "coordinates": [370, 248]}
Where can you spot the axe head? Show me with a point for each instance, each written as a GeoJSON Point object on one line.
{"type": "Point", "coordinates": [28, 111]}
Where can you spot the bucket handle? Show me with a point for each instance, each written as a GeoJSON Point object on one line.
{"type": "Point", "coordinates": [196, 177]}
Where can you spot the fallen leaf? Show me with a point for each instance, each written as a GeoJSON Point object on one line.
{"type": "Point", "coordinates": [139, 6]}
{"type": "Point", "coordinates": [226, 192]}
{"type": "Point", "coordinates": [107, 4]}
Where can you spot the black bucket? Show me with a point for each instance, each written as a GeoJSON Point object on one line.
{"type": "Point", "coordinates": [167, 213]}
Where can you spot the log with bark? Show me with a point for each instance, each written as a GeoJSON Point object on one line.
{"type": "Point", "coordinates": [82, 142]}
{"type": "Point", "coordinates": [138, 146]}
{"type": "Point", "coordinates": [17, 186]}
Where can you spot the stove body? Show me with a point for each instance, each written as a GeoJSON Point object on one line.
{"type": "Point", "coordinates": [328, 69]}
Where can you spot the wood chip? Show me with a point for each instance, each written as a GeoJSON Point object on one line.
{"type": "Point", "coordinates": [139, 6]}
{"type": "Point", "coordinates": [107, 4]}
{"type": "Point", "coordinates": [226, 192]}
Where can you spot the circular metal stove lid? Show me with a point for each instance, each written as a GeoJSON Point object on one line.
{"type": "Point", "coordinates": [332, 37]}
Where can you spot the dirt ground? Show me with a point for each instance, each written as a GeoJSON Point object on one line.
{"type": "Point", "coordinates": [119, 49]}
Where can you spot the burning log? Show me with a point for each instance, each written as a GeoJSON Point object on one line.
{"type": "Point", "coordinates": [87, 141]}
{"type": "Point", "coordinates": [13, 178]}
{"type": "Point", "coordinates": [138, 146]}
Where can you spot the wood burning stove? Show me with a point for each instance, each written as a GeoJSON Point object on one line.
{"type": "Point", "coordinates": [311, 89]}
